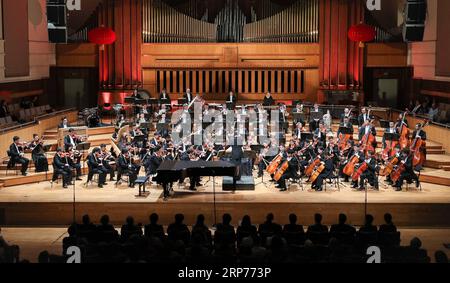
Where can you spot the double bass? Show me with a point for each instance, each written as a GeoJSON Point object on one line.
{"type": "Point", "coordinates": [417, 148]}
{"type": "Point", "coordinates": [404, 133]}
{"type": "Point", "coordinates": [367, 142]}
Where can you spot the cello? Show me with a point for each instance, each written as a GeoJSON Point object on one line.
{"type": "Point", "coordinates": [281, 171]}
{"type": "Point", "coordinates": [349, 168]}
{"type": "Point", "coordinates": [317, 172]}
{"type": "Point", "coordinates": [404, 133]}
{"type": "Point", "coordinates": [310, 169]}
{"type": "Point", "coordinates": [362, 168]}
{"type": "Point", "coordinates": [387, 170]}
{"type": "Point", "coordinates": [273, 166]}
{"type": "Point", "coordinates": [417, 148]}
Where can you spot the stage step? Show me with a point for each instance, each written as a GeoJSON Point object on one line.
{"type": "Point", "coordinates": [435, 151]}
{"type": "Point", "coordinates": [437, 161]}
{"type": "Point", "coordinates": [15, 180]}
{"type": "Point", "coordinates": [438, 177]}
{"type": "Point", "coordinates": [446, 168]}
{"type": "Point", "coordinates": [246, 183]}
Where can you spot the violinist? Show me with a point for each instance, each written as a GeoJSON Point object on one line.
{"type": "Point", "coordinates": [290, 172]}
{"type": "Point", "coordinates": [62, 167]}
{"type": "Point", "coordinates": [391, 130]}
{"type": "Point", "coordinates": [72, 139]}
{"type": "Point", "coordinates": [298, 131]}
{"type": "Point", "coordinates": [74, 159]}
{"type": "Point", "coordinates": [125, 166]}
{"type": "Point", "coordinates": [326, 172]}
{"type": "Point", "coordinates": [96, 166]}
{"type": "Point", "coordinates": [363, 117]}
{"type": "Point", "coordinates": [321, 134]}
{"type": "Point", "coordinates": [38, 154]}
{"type": "Point", "coordinates": [107, 158]}
{"type": "Point", "coordinates": [16, 153]}
{"type": "Point", "coordinates": [408, 174]}
{"type": "Point", "coordinates": [370, 173]}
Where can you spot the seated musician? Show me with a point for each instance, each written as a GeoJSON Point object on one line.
{"type": "Point", "coordinates": [164, 96]}
{"type": "Point", "coordinates": [409, 175]}
{"type": "Point", "coordinates": [38, 154]}
{"type": "Point", "coordinates": [391, 130]}
{"type": "Point", "coordinates": [315, 115]}
{"type": "Point", "coordinates": [396, 154]}
{"type": "Point", "coordinates": [96, 166]}
{"type": "Point", "coordinates": [64, 123]}
{"type": "Point", "coordinates": [140, 119]}
{"type": "Point", "coordinates": [72, 140]}
{"type": "Point", "coordinates": [321, 134]}
{"type": "Point", "coordinates": [125, 166]}
{"type": "Point", "coordinates": [347, 114]}
{"type": "Point", "coordinates": [363, 117]}
{"type": "Point", "coordinates": [370, 174]}
{"type": "Point", "coordinates": [420, 133]}
{"type": "Point", "coordinates": [298, 110]}
{"type": "Point", "coordinates": [298, 131]}
{"type": "Point", "coordinates": [74, 161]}
{"type": "Point", "coordinates": [346, 124]}
{"type": "Point", "coordinates": [62, 167]}
{"type": "Point", "coordinates": [268, 100]}
{"type": "Point", "coordinates": [188, 96]}
{"type": "Point", "coordinates": [345, 157]}
{"type": "Point", "coordinates": [108, 158]}
{"type": "Point", "coordinates": [326, 173]}
{"type": "Point", "coordinates": [16, 154]}
{"type": "Point", "coordinates": [231, 99]}
{"type": "Point", "coordinates": [291, 172]}
{"type": "Point", "coordinates": [121, 122]}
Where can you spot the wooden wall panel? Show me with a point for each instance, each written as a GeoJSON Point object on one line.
{"type": "Point", "coordinates": [386, 55]}
{"type": "Point", "coordinates": [76, 55]}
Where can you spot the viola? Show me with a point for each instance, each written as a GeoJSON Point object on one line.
{"type": "Point", "coordinates": [273, 166]}
{"type": "Point", "coordinates": [360, 170]}
{"type": "Point", "coordinates": [281, 171]}
{"type": "Point", "coordinates": [349, 168]}
{"type": "Point", "coordinates": [317, 172]}
{"type": "Point", "coordinates": [310, 169]}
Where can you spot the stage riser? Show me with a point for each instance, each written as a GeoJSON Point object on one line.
{"type": "Point", "coordinates": [42, 214]}
{"type": "Point", "coordinates": [30, 179]}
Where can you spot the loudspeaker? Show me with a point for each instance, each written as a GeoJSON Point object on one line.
{"type": "Point", "coordinates": [415, 12]}
{"type": "Point", "coordinates": [413, 32]}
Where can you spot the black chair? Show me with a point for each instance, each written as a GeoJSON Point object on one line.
{"type": "Point", "coordinates": [389, 239]}
{"type": "Point", "coordinates": [347, 238]}
{"type": "Point", "coordinates": [93, 177]}
{"type": "Point", "coordinates": [294, 238]}
{"type": "Point", "coordinates": [366, 239]}
{"type": "Point", "coordinates": [333, 180]}
{"type": "Point", "coordinates": [318, 238]}
{"type": "Point", "coordinates": [11, 164]}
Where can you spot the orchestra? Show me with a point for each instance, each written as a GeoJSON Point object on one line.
{"type": "Point", "coordinates": [312, 151]}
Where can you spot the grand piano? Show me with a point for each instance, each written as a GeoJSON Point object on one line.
{"type": "Point", "coordinates": [172, 171]}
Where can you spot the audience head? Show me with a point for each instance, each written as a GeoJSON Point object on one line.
{"type": "Point", "coordinates": [246, 221]}
{"type": "Point", "coordinates": [318, 218]}
{"type": "Point", "coordinates": [440, 257]}
{"type": "Point", "coordinates": [415, 243]}
{"type": "Point", "coordinates": [342, 218]}
{"type": "Point", "coordinates": [86, 219]}
{"type": "Point", "coordinates": [269, 218]}
{"type": "Point", "coordinates": [369, 219]}
{"type": "Point", "coordinates": [44, 257]}
{"type": "Point", "coordinates": [226, 219]}
{"type": "Point", "coordinates": [292, 218]}
{"type": "Point", "coordinates": [130, 220]}
{"type": "Point", "coordinates": [388, 218]}
{"type": "Point", "coordinates": [154, 218]}
{"type": "Point", "coordinates": [200, 219]}
{"type": "Point", "coordinates": [104, 220]}
{"type": "Point", "coordinates": [179, 218]}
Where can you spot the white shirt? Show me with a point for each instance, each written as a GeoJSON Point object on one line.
{"type": "Point", "coordinates": [367, 130]}
{"type": "Point", "coordinates": [72, 142]}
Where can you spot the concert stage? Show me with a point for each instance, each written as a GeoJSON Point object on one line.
{"type": "Point", "coordinates": [40, 204]}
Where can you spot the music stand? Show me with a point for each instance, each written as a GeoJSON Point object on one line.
{"type": "Point", "coordinates": [315, 115]}
{"type": "Point", "coordinates": [391, 137]}
{"type": "Point", "coordinates": [46, 148]}
{"type": "Point", "coordinates": [345, 130]}
{"type": "Point", "coordinates": [384, 124]}
{"type": "Point", "coordinates": [298, 116]}
{"type": "Point", "coordinates": [82, 147]}
{"type": "Point", "coordinates": [130, 100]}
{"type": "Point", "coordinates": [307, 136]}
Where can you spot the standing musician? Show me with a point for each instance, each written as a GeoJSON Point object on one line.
{"type": "Point", "coordinates": [268, 100]}
{"type": "Point", "coordinates": [326, 173]}
{"type": "Point", "coordinates": [363, 117]}
{"type": "Point", "coordinates": [72, 139]}
{"type": "Point", "coordinates": [291, 171]}
{"type": "Point", "coordinates": [16, 153]}
{"type": "Point", "coordinates": [62, 167]}
{"type": "Point", "coordinates": [164, 96]}
{"type": "Point", "coordinates": [125, 166]}
{"type": "Point", "coordinates": [231, 100]}
{"type": "Point", "coordinates": [315, 115]}
{"type": "Point", "coordinates": [96, 166]}
{"type": "Point", "coordinates": [38, 154]}
{"type": "Point", "coordinates": [408, 174]}
{"type": "Point", "coordinates": [420, 133]}
{"type": "Point", "coordinates": [107, 158]}
{"type": "Point", "coordinates": [298, 131]}
{"type": "Point", "coordinates": [188, 96]}
{"type": "Point", "coordinates": [321, 134]}
{"type": "Point", "coordinates": [347, 114]}
{"type": "Point", "coordinates": [370, 173]}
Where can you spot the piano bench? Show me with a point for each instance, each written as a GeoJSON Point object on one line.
{"type": "Point", "coordinates": [141, 182]}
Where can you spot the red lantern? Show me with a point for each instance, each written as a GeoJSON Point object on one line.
{"type": "Point", "coordinates": [102, 36]}
{"type": "Point", "coordinates": [361, 33]}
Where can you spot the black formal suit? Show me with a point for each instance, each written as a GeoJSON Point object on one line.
{"type": "Point", "coordinates": [409, 174]}
{"type": "Point", "coordinates": [96, 167]}
{"type": "Point", "coordinates": [68, 142]}
{"type": "Point", "coordinates": [61, 126]}
{"type": "Point", "coordinates": [345, 125]}
{"type": "Point", "coordinates": [321, 136]}
{"type": "Point", "coordinates": [15, 157]}
{"type": "Point", "coordinates": [162, 98]}
{"type": "Point", "coordinates": [291, 172]}
{"type": "Point", "coordinates": [4, 111]}
{"type": "Point", "coordinates": [231, 99]}
{"type": "Point", "coordinates": [268, 101]}
{"type": "Point", "coordinates": [188, 98]}
{"type": "Point", "coordinates": [362, 132]}
{"type": "Point", "coordinates": [422, 135]}
{"type": "Point", "coordinates": [370, 174]}
{"type": "Point", "coordinates": [362, 118]}
{"type": "Point", "coordinates": [124, 166]}
{"type": "Point", "coordinates": [326, 173]}
{"type": "Point", "coordinates": [152, 164]}
{"type": "Point", "coordinates": [61, 167]}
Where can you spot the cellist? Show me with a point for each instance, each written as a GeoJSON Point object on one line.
{"type": "Point", "coordinates": [408, 174]}
{"type": "Point", "coordinates": [291, 171]}
{"type": "Point", "coordinates": [364, 133]}
{"type": "Point", "coordinates": [326, 173]}
{"type": "Point", "coordinates": [419, 133]}
{"type": "Point", "coordinates": [370, 173]}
